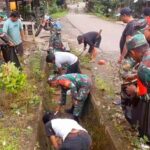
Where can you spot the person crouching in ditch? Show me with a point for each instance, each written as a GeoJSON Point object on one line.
{"type": "Point", "coordinates": [72, 135]}
{"type": "Point", "coordinates": [59, 59]}
{"type": "Point", "coordinates": [80, 86]}
{"type": "Point", "coordinates": [93, 39]}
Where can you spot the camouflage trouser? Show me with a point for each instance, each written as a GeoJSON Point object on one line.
{"type": "Point", "coordinates": [83, 94]}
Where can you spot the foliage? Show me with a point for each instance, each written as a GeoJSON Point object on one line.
{"type": "Point", "coordinates": [9, 138]}
{"type": "Point", "coordinates": [59, 14]}
{"type": "Point", "coordinates": [104, 86]}
{"type": "Point", "coordinates": [35, 64]}
{"type": "Point", "coordinates": [11, 78]}
{"type": "Point", "coordinates": [103, 7]}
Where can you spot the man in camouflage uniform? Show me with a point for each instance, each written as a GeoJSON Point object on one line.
{"type": "Point", "coordinates": [139, 50]}
{"type": "Point", "coordinates": [79, 84]}
{"type": "Point", "coordinates": [55, 41]}
{"type": "Point", "coordinates": [127, 72]}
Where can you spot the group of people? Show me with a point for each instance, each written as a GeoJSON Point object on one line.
{"type": "Point", "coordinates": [68, 77]}
{"type": "Point", "coordinates": [135, 70]}
{"type": "Point", "coordinates": [12, 37]}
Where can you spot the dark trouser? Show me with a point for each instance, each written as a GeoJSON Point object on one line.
{"type": "Point", "coordinates": [129, 105]}
{"type": "Point", "coordinates": [9, 54]}
{"type": "Point", "coordinates": [82, 141]}
{"type": "Point", "coordinates": [19, 49]}
{"type": "Point", "coordinates": [74, 68]}
{"type": "Point", "coordinates": [83, 93]}
{"type": "Point", "coordinates": [97, 44]}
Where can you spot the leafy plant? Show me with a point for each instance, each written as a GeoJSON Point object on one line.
{"type": "Point", "coordinates": [35, 64]}
{"type": "Point", "coordinates": [11, 78]}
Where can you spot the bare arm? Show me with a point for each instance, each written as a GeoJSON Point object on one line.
{"type": "Point", "coordinates": [22, 35]}
{"type": "Point", "coordinates": [124, 52]}
{"type": "Point", "coordinates": [54, 142]}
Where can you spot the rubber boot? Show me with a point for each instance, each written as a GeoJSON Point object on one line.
{"type": "Point", "coordinates": [70, 111]}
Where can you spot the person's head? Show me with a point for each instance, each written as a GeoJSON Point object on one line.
{"type": "Point", "coordinates": [14, 16]}
{"type": "Point", "coordinates": [58, 31]}
{"type": "Point", "coordinates": [50, 58]}
{"type": "Point", "coordinates": [52, 81]}
{"type": "Point", "coordinates": [146, 12]}
{"type": "Point", "coordinates": [48, 116]}
{"type": "Point", "coordinates": [126, 14]}
{"type": "Point", "coordinates": [80, 39]}
{"type": "Point", "coordinates": [137, 45]}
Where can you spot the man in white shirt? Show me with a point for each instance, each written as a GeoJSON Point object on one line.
{"type": "Point", "coordinates": [73, 135]}
{"type": "Point", "coordinates": [61, 59]}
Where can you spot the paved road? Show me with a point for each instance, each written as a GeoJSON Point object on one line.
{"type": "Point", "coordinates": [111, 31]}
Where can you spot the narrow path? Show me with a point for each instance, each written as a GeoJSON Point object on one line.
{"type": "Point", "coordinates": [111, 31]}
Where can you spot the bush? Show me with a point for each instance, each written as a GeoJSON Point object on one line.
{"type": "Point", "coordinates": [11, 78]}
{"type": "Point", "coordinates": [103, 7]}
{"type": "Point", "coordinates": [53, 9]}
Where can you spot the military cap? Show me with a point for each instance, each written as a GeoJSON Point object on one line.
{"type": "Point", "coordinates": [136, 41]}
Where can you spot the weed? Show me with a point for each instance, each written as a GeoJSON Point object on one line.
{"type": "Point", "coordinates": [104, 86]}
{"type": "Point", "coordinates": [35, 64]}
{"type": "Point", "coordinates": [12, 80]}
{"type": "Point", "coordinates": [35, 100]}
{"type": "Point", "coordinates": [9, 138]}
{"type": "Point", "coordinates": [59, 14]}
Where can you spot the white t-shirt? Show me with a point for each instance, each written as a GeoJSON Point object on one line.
{"type": "Point", "coordinates": [62, 58]}
{"type": "Point", "coordinates": [62, 127]}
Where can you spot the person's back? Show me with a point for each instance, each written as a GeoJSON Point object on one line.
{"type": "Point", "coordinates": [66, 124]}
{"type": "Point", "coordinates": [90, 36]}
{"type": "Point", "coordinates": [73, 135]}
{"type": "Point", "coordinates": [62, 58]}
{"type": "Point", "coordinates": [78, 79]}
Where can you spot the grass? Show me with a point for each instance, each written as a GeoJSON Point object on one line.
{"type": "Point", "coordinates": [9, 138]}
{"type": "Point", "coordinates": [84, 60]}
{"type": "Point", "coordinates": [104, 17]}
{"type": "Point", "coordinates": [104, 86]}
{"type": "Point", "coordinates": [59, 14]}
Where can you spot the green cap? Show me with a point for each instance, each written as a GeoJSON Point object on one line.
{"type": "Point", "coordinates": [136, 41]}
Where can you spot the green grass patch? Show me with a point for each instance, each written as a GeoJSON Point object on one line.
{"type": "Point", "coordinates": [112, 18]}
{"type": "Point", "coordinates": [59, 14]}
{"type": "Point", "coordinates": [102, 85]}
{"type": "Point", "coordinates": [9, 138]}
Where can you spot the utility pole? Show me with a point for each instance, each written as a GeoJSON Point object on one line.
{"type": "Point", "coordinates": [7, 7]}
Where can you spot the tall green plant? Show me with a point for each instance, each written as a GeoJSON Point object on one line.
{"type": "Point", "coordinates": [11, 78]}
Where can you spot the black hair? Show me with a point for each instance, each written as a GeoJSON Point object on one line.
{"type": "Point", "coordinates": [80, 38]}
{"type": "Point", "coordinates": [48, 116]}
{"type": "Point", "coordinates": [50, 57]}
{"type": "Point", "coordinates": [146, 11]}
{"type": "Point", "coordinates": [14, 14]}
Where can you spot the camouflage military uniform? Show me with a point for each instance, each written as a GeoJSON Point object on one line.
{"type": "Point", "coordinates": [142, 110]}
{"type": "Point", "coordinates": [55, 42]}
{"type": "Point", "coordinates": [126, 68]}
{"type": "Point", "coordinates": [80, 88]}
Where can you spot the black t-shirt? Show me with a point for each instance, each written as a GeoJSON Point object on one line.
{"type": "Point", "coordinates": [128, 31]}
{"type": "Point", "coordinates": [49, 129]}
{"type": "Point", "coordinates": [90, 38]}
